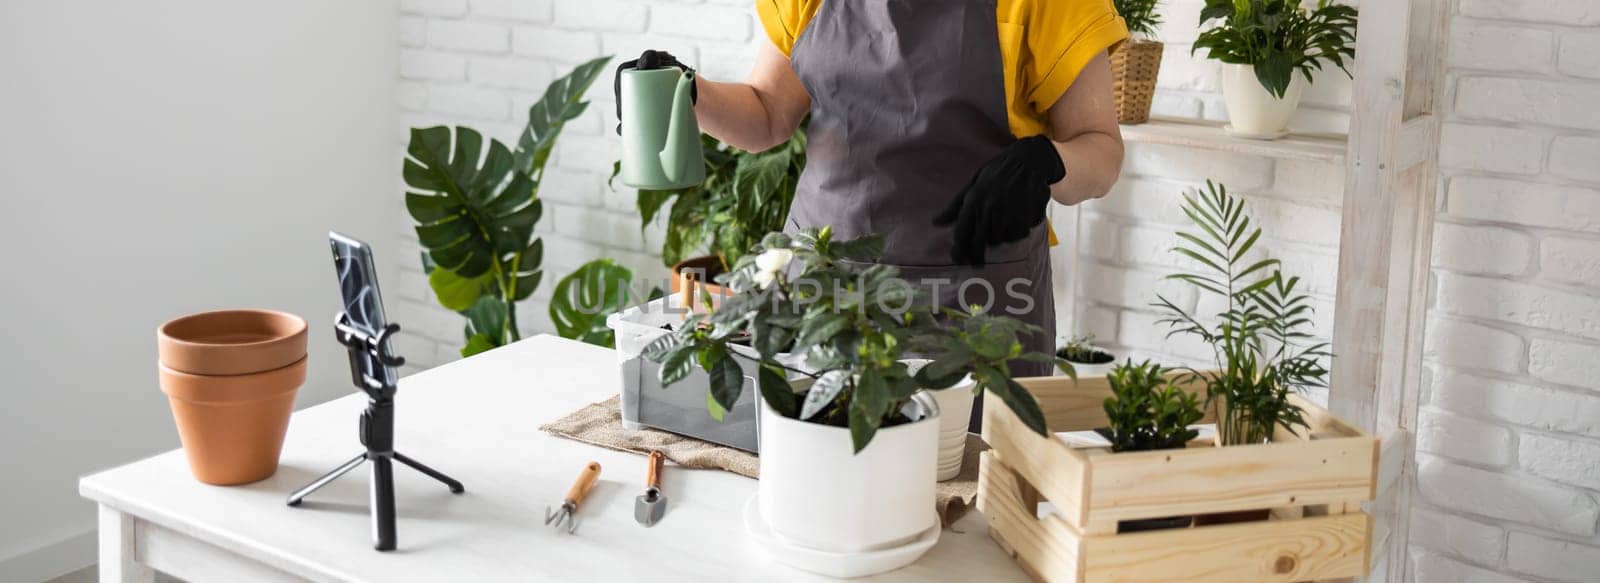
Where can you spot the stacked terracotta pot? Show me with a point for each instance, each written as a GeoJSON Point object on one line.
{"type": "Point", "coordinates": [231, 378]}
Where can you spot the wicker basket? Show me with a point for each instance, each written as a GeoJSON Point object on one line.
{"type": "Point", "coordinates": [1134, 65]}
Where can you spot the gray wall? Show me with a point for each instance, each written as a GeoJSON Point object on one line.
{"type": "Point", "coordinates": [158, 158]}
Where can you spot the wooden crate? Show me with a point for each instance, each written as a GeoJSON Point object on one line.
{"type": "Point", "coordinates": [1313, 484]}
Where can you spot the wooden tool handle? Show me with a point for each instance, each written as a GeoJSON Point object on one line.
{"type": "Point", "coordinates": [586, 480]}
{"type": "Point", "coordinates": [686, 284]}
{"type": "Point", "coordinates": [652, 479]}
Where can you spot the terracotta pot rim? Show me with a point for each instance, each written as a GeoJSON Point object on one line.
{"type": "Point", "coordinates": [185, 343]}
{"type": "Point", "coordinates": [225, 389]}
{"type": "Point", "coordinates": [298, 327]}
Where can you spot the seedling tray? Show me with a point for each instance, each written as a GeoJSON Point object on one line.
{"type": "Point", "coordinates": [1312, 484]}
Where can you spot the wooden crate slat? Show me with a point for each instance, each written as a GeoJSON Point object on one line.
{"type": "Point", "coordinates": [1198, 480]}
{"type": "Point", "coordinates": [1046, 548]}
{"type": "Point", "coordinates": [1030, 452]}
{"type": "Point", "coordinates": [1321, 547]}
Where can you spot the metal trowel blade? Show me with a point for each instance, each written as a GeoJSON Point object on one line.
{"type": "Point", "coordinates": [649, 506]}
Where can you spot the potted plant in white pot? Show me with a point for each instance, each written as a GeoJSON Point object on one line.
{"type": "Point", "coordinates": [847, 451]}
{"type": "Point", "coordinates": [1087, 358]}
{"type": "Point", "coordinates": [1262, 43]}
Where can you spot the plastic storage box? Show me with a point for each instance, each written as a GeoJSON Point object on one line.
{"type": "Point", "coordinates": [680, 408]}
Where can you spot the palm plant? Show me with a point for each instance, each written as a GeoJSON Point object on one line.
{"type": "Point", "coordinates": [1262, 349]}
{"type": "Point", "coordinates": [1278, 37]}
{"type": "Point", "coordinates": [476, 208]}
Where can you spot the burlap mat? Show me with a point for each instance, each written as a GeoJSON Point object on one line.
{"type": "Point", "coordinates": [601, 424]}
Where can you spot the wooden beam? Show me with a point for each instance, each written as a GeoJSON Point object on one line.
{"type": "Point", "coordinates": [1385, 247]}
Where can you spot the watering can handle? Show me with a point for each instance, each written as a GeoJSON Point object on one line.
{"type": "Point", "coordinates": [681, 120]}
{"type": "Point", "coordinates": [648, 60]}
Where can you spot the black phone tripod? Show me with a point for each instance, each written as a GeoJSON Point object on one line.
{"type": "Point", "coordinates": [377, 431]}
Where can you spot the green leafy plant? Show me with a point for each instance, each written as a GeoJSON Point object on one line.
{"type": "Point", "coordinates": [1278, 37]}
{"type": "Point", "coordinates": [1081, 350]}
{"type": "Point", "coordinates": [1262, 347]}
{"type": "Point", "coordinates": [476, 207]}
{"type": "Point", "coordinates": [852, 321]}
{"type": "Point", "coordinates": [1148, 410]}
{"type": "Point", "coordinates": [1140, 15]}
{"type": "Point", "coordinates": [584, 298]}
{"type": "Point", "coordinates": [745, 196]}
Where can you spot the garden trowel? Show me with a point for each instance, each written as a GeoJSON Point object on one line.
{"type": "Point", "coordinates": [650, 505]}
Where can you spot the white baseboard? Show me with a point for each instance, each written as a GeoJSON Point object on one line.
{"type": "Point", "coordinates": [51, 560]}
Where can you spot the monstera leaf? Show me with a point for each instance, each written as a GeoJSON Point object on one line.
{"type": "Point", "coordinates": [562, 102]}
{"type": "Point", "coordinates": [585, 297]}
{"type": "Point", "coordinates": [476, 205]}
{"type": "Point", "coordinates": [472, 216]}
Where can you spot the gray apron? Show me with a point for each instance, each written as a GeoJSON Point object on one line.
{"type": "Point", "coordinates": [907, 102]}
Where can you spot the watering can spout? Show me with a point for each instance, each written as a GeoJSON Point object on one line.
{"type": "Point", "coordinates": [681, 126]}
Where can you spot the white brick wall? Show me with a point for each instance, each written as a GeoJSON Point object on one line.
{"type": "Point", "coordinates": [482, 63]}
{"type": "Point", "coordinates": [1511, 409]}
{"type": "Point", "coordinates": [1509, 437]}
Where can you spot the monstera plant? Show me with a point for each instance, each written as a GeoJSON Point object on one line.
{"type": "Point", "coordinates": [586, 296]}
{"type": "Point", "coordinates": [476, 205]}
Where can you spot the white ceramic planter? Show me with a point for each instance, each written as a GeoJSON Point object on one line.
{"type": "Point", "coordinates": [955, 421]}
{"type": "Point", "coordinates": [815, 493]}
{"type": "Point", "coordinates": [1252, 111]}
{"type": "Point", "coordinates": [1093, 370]}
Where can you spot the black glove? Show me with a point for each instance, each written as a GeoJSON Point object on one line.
{"type": "Point", "coordinates": [650, 59]}
{"type": "Point", "coordinates": [1005, 199]}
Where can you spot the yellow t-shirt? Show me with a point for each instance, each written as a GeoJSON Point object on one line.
{"type": "Point", "coordinates": [1044, 44]}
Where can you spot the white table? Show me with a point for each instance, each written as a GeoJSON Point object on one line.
{"type": "Point", "coordinates": [477, 420]}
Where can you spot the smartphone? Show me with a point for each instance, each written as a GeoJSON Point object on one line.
{"type": "Point", "coordinates": [363, 305]}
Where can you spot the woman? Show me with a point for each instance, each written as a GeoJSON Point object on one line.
{"type": "Point", "coordinates": [945, 125]}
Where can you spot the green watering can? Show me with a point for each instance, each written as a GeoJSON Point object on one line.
{"type": "Point", "coordinates": [660, 136]}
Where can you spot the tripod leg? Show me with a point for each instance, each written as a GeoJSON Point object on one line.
{"type": "Point", "coordinates": [455, 487]}
{"type": "Point", "coordinates": [383, 504]}
{"type": "Point", "coordinates": [298, 495]}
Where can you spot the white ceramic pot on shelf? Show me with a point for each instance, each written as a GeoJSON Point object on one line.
{"type": "Point", "coordinates": [955, 421]}
{"type": "Point", "coordinates": [1253, 112]}
{"type": "Point", "coordinates": [818, 497]}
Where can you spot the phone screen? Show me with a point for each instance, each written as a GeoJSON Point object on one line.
{"type": "Point", "coordinates": [363, 305]}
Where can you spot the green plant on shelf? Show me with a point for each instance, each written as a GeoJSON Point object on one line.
{"type": "Point", "coordinates": [1261, 341]}
{"type": "Point", "coordinates": [1278, 37]}
{"type": "Point", "coordinates": [1147, 410]}
{"type": "Point", "coordinates": [476, 205]}
{"type": "Point", "coordinates": [1140, 16]}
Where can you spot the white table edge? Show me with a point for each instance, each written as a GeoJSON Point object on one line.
{"type": "Point", "coordinates": [123, 531]}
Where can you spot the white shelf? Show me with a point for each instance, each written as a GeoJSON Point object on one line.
{"type": "Point", "coordinates": [1209, 135]}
